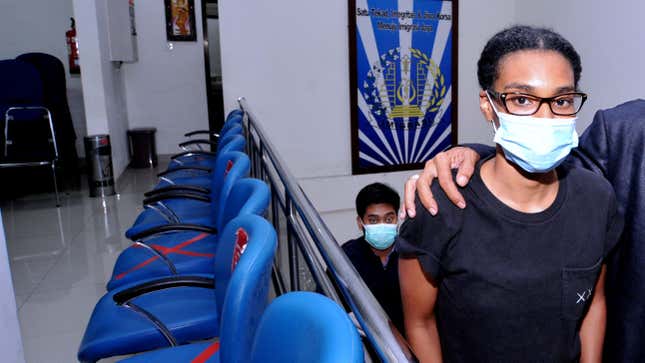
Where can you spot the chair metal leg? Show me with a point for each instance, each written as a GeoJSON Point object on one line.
{"type": "Point", "coordinates": [55, 185]}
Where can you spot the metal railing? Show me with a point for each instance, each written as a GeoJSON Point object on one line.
{"type": "Point", "coordinates": [308, 256]}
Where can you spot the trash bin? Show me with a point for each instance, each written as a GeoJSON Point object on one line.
{"type": "Point", "coordinates": [98, 155]}
{"type": "Point", "coordinates": [143, 148]}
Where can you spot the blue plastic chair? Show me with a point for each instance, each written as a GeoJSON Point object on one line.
{"type": "Point", "coordinates": [235, 116]}
{"type": "Point", "coordinates": [184, 206]}
{"type": "Point", "coordinates": [185, 252]}
{"type": "Point", "coordinates": [305, 327]}
{"type": "Point", "coordinates": [197, 173]}
{"type": "Point", "coordinates": [297, 327]}
{"type": "Point", "coordinates": [230, 122]}
{"type": "Point", "coordinates": [199, 156]}
{"type": "Point", "coordinates": [174, 311]}
{"type": "Point", "coordinates": [235, 112]}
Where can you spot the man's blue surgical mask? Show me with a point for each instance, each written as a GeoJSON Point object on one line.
{"type": "Point", "coordinates": [380, 236]}
{"type": "Point", "coordinates": [535, 144]}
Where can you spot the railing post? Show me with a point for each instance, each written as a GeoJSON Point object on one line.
{"type": "Point", "coordinates": [301, 216]}
{"type": "Point", "coordinates": [294, 263]}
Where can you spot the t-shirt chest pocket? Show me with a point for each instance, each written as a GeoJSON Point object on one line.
{"type": "Point", "coordinates": [578, 289]}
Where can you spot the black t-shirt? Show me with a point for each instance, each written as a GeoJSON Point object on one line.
{"type": "Point", "coordinates": [383, 281]}
{"type": "Point", "coordinates": [513, 286]}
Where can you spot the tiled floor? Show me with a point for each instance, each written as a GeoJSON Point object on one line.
{"type": "Point", "coordinates": [62, 257]}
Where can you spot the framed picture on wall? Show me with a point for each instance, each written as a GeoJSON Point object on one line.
{"type": "Point", "coordinates": [403, 82]}
{"type": "Point", "coordinates": [180, 20]}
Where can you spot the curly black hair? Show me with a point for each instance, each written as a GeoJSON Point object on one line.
{"type": "Point", "coordinates": [522, 37]}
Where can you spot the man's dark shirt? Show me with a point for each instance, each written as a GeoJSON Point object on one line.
{"type": "Point", "coordinates": [383, 281]}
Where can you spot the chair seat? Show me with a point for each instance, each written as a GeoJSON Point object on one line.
{"type": "Point", "coordinates": [207, 352]}
{"type": "Point", "coordinates": [186, 177]}
{"type": "Point", "coordinates": [189, 313]}
{"type": "Point", "coordinates": [182, 208]}
{"type": "Point", "coordinates": [193, 160]}
{"type": "Point", "coordinates": [189, 252]}
{"type": "Point", "coordinates": [203, 221]}
{"type": "Point", "coordinates": [231, 140]}
{"type": "Point", "coordinates": [187, 211]}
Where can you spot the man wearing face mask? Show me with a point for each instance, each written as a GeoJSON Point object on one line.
{"type": "Point", "coordinates": [373, 254]}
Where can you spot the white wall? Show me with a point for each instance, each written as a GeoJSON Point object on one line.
{"type": "Point", "coordinates": [40, 26]}
{"type": "Point", "coordinates": [166, 88]}
{"type": "Point", "coordinates": [10, 340]}
{"type": "Point", "coordinates": [104, 95]}
{"type": "Point", "coordinates": [290, 60]}
{"type": "Point", "coordinates": [478, 21]}
{"type": "Point", "coordinates": [610, 38]}
{"type": "Point", "coordinates": [214, 47]}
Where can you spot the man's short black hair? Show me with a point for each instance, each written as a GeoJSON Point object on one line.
{"type": "Point", "coordinates": [376, 193]}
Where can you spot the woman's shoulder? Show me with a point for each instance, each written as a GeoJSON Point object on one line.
{"type": "Point", "coordinates": [585, 181]}
{"type": "Point", "coordinates": [587, 187]}
{"type": "Point", "coordinates": [440, 196]}
{"type": "Point", "coordinates": [449, 214]}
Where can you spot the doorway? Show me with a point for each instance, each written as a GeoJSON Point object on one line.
{"type": "Point", "coordinates": [212, 55]}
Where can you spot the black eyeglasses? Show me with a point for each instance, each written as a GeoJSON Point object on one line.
{"type": "Point", "coordinates": [522, 104]}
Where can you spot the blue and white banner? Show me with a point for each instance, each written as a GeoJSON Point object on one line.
{"type": "Point", "coordinates": [402, 69]}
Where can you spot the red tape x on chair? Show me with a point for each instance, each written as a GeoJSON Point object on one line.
{"type": "Point", "coordinates": [173, 311]}
{"type": "Point", "coordinates": [184, 252]}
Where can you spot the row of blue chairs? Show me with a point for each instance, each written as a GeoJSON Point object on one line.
{"type": "Point", "coordinates": [199, 268]}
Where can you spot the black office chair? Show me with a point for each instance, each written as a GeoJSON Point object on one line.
{"type": "Point", "coordinates": [28, 138]}
{"type": "Point", "coordinates": [52, 74]}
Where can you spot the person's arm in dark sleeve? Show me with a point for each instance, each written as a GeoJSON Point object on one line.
{"type": "Point", "coordinates": [422, 244]}
{"type": "Point", "coordinates": [592, 152]}
{"type": "Point", "coordinates": [426, 237]}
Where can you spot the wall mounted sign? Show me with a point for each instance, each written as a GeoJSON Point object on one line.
{"type": "Point", "coordinates": [180, 20]}
{"type": "Point", "coordinates": [403, 82]}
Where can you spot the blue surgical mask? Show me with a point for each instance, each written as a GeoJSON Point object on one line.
{"type": "Point", "coordinates": [535, 144]}
{"type": "Point", "coordinates": [380, 236]}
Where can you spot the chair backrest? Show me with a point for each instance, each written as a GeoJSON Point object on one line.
{"type": "Point", "coordinates": [248, 196]}
{"type": "Point", "coordinates": [229, 168]}
{"type": "Point", "coordinates": [243, 259]}
{"type": "Point", "coordinates": [28, 133]}
{"type": "Point", "coordinates": [52, 74]}
{"type": "Point", "coordinates": [305, 327]}
{"type": "Point", "coordinates": [231, 122]}
{"type": "Point", "coordinates": [232, 141]}
{"type": "Point", "coordinates": [236, 126]}
{"type": "Point", "coordinates": [21, 84]}
{"type": "Point", "coordinates": [236, 112]}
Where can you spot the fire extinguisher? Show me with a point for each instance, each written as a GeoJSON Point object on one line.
{"type": "Point", "coordinates": [72, 49]}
